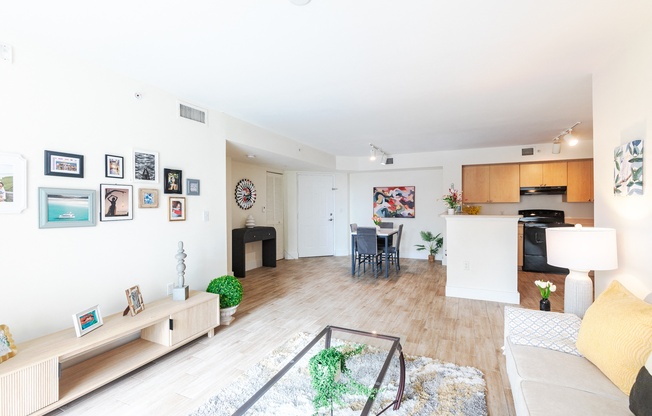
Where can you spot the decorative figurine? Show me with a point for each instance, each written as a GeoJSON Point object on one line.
{"type": "Point", "coordinates": [180, 290]}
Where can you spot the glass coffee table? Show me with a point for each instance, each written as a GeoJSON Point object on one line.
{"type": "Point", "coordinates": [370, 369]}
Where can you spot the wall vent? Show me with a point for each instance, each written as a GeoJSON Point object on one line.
{"type": "Point", "coordinates": [528, 151]}
{"type": "Point", "coordinates": [192, 113]}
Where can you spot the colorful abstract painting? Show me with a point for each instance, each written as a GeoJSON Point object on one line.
{"type": "Point", "coordinates": [394, 201]}
{"type": "Point", "coordinates": [628, 169]}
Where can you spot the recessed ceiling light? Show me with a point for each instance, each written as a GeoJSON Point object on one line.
{"type": "Point", "coordinates": [251, 156]}
{"type": "Point", "coordinates": [299, 2]}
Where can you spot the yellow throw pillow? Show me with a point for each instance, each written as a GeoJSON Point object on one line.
{"type": "Point", "coordinates": [616, 335]}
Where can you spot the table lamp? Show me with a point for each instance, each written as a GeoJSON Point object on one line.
{"type": "Point", "coordinates": [581, 249]}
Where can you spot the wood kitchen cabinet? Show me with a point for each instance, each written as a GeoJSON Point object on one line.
{"type": "Point", "coordinates": [490, 183]}
{"type": "Point", "coordinates": [580, 181]}
{"type": "Point", "coordinates": [543, 174]}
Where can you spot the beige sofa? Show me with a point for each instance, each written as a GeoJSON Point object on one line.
{"type": "Point", "coordinates": [547, 373]}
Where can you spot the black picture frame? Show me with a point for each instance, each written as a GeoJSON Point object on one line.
{"type": "Point", "coordinates": [63, 164]}
{"type": "Point", "coordinates": [172, 181]}
{"type": "Point", "coordinates": [114, 166]}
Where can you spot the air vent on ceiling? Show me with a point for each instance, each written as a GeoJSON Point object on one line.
{"type": "Point", "coordinates": [192, 113]}
{"type": "Point", "coordinates": [528, 151]}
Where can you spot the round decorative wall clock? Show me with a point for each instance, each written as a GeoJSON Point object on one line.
{"type": "Point", "coordinates": [245, 194]}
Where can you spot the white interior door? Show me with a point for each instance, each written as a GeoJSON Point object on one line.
{"type": "Point", "coordinates": [274, 209]}
{"type": "Point", "coordinates": [315, 211]}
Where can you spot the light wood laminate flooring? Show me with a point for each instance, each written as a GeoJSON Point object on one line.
{"type": "Point", "coordinates": [304, 296]}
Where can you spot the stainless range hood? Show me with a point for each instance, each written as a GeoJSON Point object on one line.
{"type": "Point", "coordinates": [543, 190]}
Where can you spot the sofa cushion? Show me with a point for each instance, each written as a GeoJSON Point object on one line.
{"type": "Point", "coordinates": [551, 330]}
{"type": "Point", "coordinates": [616, 335]}
{"type": "Point", "coordinates": [547, 399]}
{"type": "Point", "coordinates": [565, 370]}
{"type": "Point", "coordinates": [640, 398]}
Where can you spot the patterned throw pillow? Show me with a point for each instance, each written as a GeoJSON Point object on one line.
{"type": "Point", "coordinates": [551, 330]}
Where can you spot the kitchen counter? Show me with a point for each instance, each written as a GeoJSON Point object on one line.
{"type": "Point", "coordinates": [481, 255]}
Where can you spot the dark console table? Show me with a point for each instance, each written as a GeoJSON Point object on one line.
{"type": "Point", "coordinates": [241, 236]}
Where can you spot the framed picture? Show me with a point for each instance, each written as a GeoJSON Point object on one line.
{"type": "Point", "coordinates": [114, 166]}
{"type": "Point", "coordinates": [147, 198]}
{"type": "Point", "coordinates": [64, 164]}
{"type": "Point", "coordinates": [177, 208]}
{"type": "Point", "coordinates": [66, 207]}
{"type": "Point", "coordinates": [13, 183]}
{"type": "Point", "coordinates": [394, 201]}
{"type": "Point", "coordinates": [87, 321]}
{"type": "Point", "coordinates": [172, 179]}
{"type": "Point", "coordinates": [145, 166]}
{"type": "Point", "coordinates": [7, 347]}
{"type": "Point", "coordinates": [116, 202]}
{"type": "Point", "coordinates": [135, 300]}
{"type": "Point", "coordinates": [192, 186]}
{"type": "Point", "coordinates": [628, 169]}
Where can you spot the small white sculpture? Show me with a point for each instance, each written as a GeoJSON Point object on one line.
{"type": "Point", "coordinates": [250, 223]}
{"type": "Point", "coordinates": [180, 291]}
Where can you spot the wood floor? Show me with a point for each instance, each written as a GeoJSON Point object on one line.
{"type": "Point", "coordinates": [305, 295]}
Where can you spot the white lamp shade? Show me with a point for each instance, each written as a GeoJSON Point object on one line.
{"type": "Point", "coordinates": [582, 248]}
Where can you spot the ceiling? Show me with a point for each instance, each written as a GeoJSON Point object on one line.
{"type": "Point", "coordinates": [409, 76]}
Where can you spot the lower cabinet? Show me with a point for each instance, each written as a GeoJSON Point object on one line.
{"type": "Point", "coordinates": [56, 369]}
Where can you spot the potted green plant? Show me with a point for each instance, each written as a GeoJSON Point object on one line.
{"type": "Point", "coordinates": [230, 290]}
{"type": "Point", "coordinates": [435, 243]}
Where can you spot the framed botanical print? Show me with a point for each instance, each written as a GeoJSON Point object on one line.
{"type": "Point", "coordinates": [116, 202]}
{"type": "Point", "coordinates": [172, 179]}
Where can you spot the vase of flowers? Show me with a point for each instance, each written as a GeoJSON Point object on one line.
{"type": "Point", "coordinates": [452, 200]}
{"type": "Point", "coordinates": [377, 220]}
{"type": "Point", "coordinates": [545, 288]}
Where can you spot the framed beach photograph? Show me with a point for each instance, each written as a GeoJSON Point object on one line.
{"type": "Point", "coordinates": [116, 202]}
{"type": "Point", "coordinates": [135, 300]}
{"type": "Point", "coordinates": [87, 321]}
{"type": "Point", "coordinates": [60, 207]}
{"type": "Point", "coordinates": [177, 208]}
{"type": "Point", "coordinates": [172, 179]}
{"type": "Point", "coordinates": [13, 183]}
{"type": "Point", "coordinates": [192, 186]}
{"type": "Point", "coordinates": [64, 164]}
{"type": "Point", "coordinates": [145, 166]}
{"type": "Point", "coordinates": [147, 198]}
{"type": "Point", "coordinates": [7, 347]}
{"type": "Point", "coordinates": [114, 166]}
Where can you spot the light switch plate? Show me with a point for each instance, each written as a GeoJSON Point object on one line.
{"type": "Point", "coordinates": [6, 53]}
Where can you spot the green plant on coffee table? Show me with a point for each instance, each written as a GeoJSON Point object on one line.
{"type": "Point", "coordinates": [435, 242]}
{"type": "Point", "coordinates": [329, 389]}
{"type": "Point", "coordinates": [229, 288]}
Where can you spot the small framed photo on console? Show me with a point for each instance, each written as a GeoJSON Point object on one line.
{"type": "Point", "coordinates": [87, 321]}
{"type": "Point", "coordinates": [135, 300]}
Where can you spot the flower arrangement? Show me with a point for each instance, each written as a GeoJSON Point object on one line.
{"type": "Point", "coordinates": [545, 288]}
{"type": "Point", "coordinates": [453, 198]}
{"type": "Point", "coordinates": [376, 219]}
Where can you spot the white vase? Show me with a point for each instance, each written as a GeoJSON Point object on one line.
{"type": "Point", "coordinates": [226, 315]}
{"type": "Point", "coordinates": [451, 211]}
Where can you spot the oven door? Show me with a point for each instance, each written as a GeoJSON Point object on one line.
{"type": "Point", "coordinates": [534, 248]}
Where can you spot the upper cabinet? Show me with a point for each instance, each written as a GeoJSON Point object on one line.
{"type": "Point", "coordinates": [580, 181]}
{"type": "Point", "coordinates": [543, 174]}
{"type": "Point", "coordinates": [490, 183]}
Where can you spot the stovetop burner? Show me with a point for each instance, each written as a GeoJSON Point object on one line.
{"type": "Point", "coordinates": [541, 216]}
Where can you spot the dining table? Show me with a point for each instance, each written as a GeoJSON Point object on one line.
{"type": "Point", "coordinates": [385, 234]}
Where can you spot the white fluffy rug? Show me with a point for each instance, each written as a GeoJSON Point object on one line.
{"type": "Point", "coordinates": [432, 387]}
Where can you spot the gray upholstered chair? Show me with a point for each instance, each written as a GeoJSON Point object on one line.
{"type": "Point", "coordinates": [381, 241]}
{"type": "Point", "coordinates": [354, 229]}
{"type": "Point", "coordinates": [395, 251]}
{"type": "Point", "coordinates": [368, 251]}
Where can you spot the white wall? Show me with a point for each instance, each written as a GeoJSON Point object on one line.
{"type": "Point", "coordinates": [53, 102]}
{"type": "Point", "coordinates": [622, 110]}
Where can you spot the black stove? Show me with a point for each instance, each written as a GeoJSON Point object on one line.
{"type": "Point", "coordinates": [535, 222]}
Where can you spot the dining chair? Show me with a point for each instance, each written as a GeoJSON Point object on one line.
{"type": "Point", "coordinates": [354, 229]}
{"type": "Point", "coordinates": [368, 251]}
{"type": "Point", "coordinates": [381, 241]}
{"type": "Point", "coordinates": [395, 251]}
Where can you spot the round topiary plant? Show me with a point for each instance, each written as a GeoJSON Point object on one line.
{"type": "Point", "coordinates": [229, 288]}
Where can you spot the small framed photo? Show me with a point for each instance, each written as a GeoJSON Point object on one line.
{"type": "Point", "coordinates": [147, 198]}
{"type": "Point", "coordinates": [172, 179]}
{"type": "Point", "coordinates": [64, 164]}
{"type": "Point", "coordinates": [66, 207]}
{"type": "Point", "coordinates": [145, 166]}
{"type": "Point", "coordinates": [114, 166]}
{"type": "Point", "coordinates": [87, 321]}
{"type": "Point", "coordinates": [7, 347]}
{"type": "Point", "coordinates": [135, 300]}
{"type": "Point", "coordinates": [116, 202]}
{"type": "Point", "coordinates": [177, 208]}
{"type": "Point", "coordinates": [13, 183]}
{"type": "Point", "coordinates": [192, 186]}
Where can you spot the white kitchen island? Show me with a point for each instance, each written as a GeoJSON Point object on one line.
{"type": "Point", "coordinates": [481, 255]}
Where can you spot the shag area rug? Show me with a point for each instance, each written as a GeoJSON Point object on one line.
{"type": "Point", "coordinates": [432, 387]}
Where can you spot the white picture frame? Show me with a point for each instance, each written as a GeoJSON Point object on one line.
{"type": "Point", "coordinates": [87, 320]}
{"type": "Point", "coordinates": [145, 166]}
{"type": "Point", "coordinates": [13, 170]}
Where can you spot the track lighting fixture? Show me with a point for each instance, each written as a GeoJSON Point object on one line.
{"type": "Point", "coordinates": [377, 151]}
{"type": "Point", "coordinates": [567, 136]}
